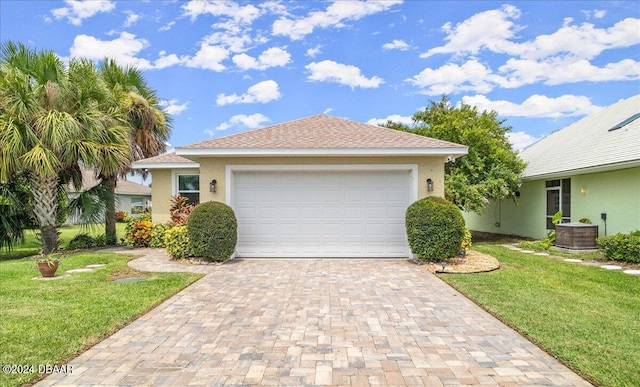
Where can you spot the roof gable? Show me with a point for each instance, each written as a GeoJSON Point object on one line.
{"type": "Point", "coordinates": [320, 134]}
{"type": "Point", "coordinates": [588, 145]}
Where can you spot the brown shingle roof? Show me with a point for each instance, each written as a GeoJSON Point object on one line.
{"type": "Point", "coordinates": [322, 132]}
{"type": "Point", "coordinates": [171, 157]}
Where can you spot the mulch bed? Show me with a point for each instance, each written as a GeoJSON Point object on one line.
{"type": "Point", "coordinates": [473, 262]}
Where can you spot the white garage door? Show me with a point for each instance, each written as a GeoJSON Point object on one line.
{"type": "Point", "coordinates": [321, 214]}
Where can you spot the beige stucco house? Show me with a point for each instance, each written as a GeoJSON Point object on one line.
{"type": "Point", "coordinates": [315, 187]}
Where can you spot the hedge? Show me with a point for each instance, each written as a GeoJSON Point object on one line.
{"type": "Point", "coordinates": [435, 229]}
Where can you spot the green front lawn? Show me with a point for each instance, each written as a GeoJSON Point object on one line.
{"type": "Point", "coordinates": [50, 322]}
{"type": "Point", "coordinates": [32, 246]}
{"type": "Point", "coordinates": [588, 317]}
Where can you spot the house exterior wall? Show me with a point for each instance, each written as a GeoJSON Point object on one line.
{"type": "Point", "coordinates": [161, 190]}
{"type": "Point", "coordinates": [616, 193]}
{"type": "Point", "coordinates": [215, 168]}
{"type": "Point", "coordinates": [525, 217]}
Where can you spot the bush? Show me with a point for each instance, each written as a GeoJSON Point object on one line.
{"type": "Point", "coordinates": [158, 231]}
{"type": "Point", "coordinates": [435, 229]}
{"type": "Point", "coordinates": [212, 230]}
{"type": "Point", "coordinates": [121, 216]}
{"type": "Point", "coordinates": [177, 242]}
{"type": "Point", "coordinates": [621, 247]}
{"type": "Point", "coordinates": [81, 241]}
{"type": "Point", "coordinates": [139, 233]}
{"type": "Point", "coordinates": [180, 210]}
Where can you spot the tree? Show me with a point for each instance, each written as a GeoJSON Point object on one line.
{"type": "Point", "coordinates": [148, 127]}
{"type": "Point", "coordinates": [52, 123]}
{"type": "Point", "coordinates": [491, 169]}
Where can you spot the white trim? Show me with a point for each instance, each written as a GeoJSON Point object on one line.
{"type": "Point", "coordinates": [139, 165]}
{"type": "Point", "coordinates": [583, 171]}
{"type": "Point", "coordinates": [174, 178]}
{"type": "Point", "coordinates": [230, 169]}
{"type": "Point", "coordinates": [221, 152]}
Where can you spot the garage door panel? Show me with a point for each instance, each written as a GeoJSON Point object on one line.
{"type": "Point", "coordinates": [321, 213]}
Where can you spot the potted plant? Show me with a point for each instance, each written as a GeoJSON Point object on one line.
{"type": "Point", "coordinates": [48, 265]}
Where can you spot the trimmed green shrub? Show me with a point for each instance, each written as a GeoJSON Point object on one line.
{"type": "Point", "coordinates": [177, 242]}
{"type": "Point", "coordinates": [621, 247]}
{"type": "Point", "coordinates": [212, 230]}
{"type": "Point", "coordinates": [435, 229]}
{"type": "Point", "coordinates": [157, 234]}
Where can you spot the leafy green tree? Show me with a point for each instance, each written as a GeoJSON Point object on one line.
{"type": "Point", "coordinates": [491, 169]}
{"type": "Point", "coordinates": [52, 123]}
{"type": "Point", "coordinates": [148, 127]}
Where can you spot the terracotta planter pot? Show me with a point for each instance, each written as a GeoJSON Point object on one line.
{"type": "Point", "coordinates": [48, 269]}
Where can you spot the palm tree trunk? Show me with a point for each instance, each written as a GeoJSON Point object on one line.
{"type": "Point", "coordinates": [110, 210]}
{"type": "Point", "coordinates": [45, 204]}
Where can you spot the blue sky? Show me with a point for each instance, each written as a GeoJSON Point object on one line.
{"type": "Point", "coordinates": [223, 67]}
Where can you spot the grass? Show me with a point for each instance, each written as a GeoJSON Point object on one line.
{"type": "Point", "coordinates": [587, 317]}
{"type": "Point", "coordinates": [50, 322]}
{"type": "Point", "coordinates": [32, 246]}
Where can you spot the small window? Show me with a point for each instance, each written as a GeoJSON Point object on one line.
{"type": "Point", "coordinates": [189, 187]}
{"type": "Point", "coordinates": [137, 206]}
{"type": "Point", "coordinates": [626, 122]}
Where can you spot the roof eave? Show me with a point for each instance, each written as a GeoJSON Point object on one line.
{"type": "Point", "coordinates": [254, 152]}
{"type": "Point", "coordinates": [583, 171]}
{"type": "Point", "coordinates": [161, 165]}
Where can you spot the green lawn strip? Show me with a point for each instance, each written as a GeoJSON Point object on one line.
{"type": "Point", "coordinates": [50, 322]}
{"type": "Point", "coordinates": [31, 246]}
{"type": "Point", "coordinates": [588, 317]}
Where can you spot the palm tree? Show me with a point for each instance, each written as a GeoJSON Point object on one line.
{"type": "Point", "coordinates": [148, 126]}
{"type": "Point", "coordinates": [52, 122]}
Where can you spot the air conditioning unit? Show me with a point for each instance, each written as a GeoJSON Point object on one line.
{"type": "Point", "coordinates": [579, 236]}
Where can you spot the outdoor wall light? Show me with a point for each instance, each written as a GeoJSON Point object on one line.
{"type": "Point", "coordinates": [583, 191]}
{"type": "Point", "coordinates": [212, 185]}
{"type": "Point", "coordinates": [429, 185]}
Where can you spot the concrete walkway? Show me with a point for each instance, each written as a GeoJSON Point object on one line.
{"type": "Point", "coordinates": [314, 322]}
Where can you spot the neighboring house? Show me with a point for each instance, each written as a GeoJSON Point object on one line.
{"type": "Point", "coordinates": [315, 187]}
{"type": "Point", "coordinates": [131, 197]}
{"type": "Point", "coordinates": [590, 169]}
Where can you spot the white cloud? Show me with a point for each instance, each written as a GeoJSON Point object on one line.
{"type": "Point", "coordinates": [233, 41]}
{"type": "Point", "coordinates": [272, 57]}
{"type": "Point", "coordinates": [132, 18]}
{"type": "Point", "coordinates": [520, 140]}
{"type": "Point", "coordinates": [485, 30]}
{"type": "Point", "coordinates": [239, 14]}
{"type": "Point", "coordinates": [536, 106]}
{"type": "Point", "coordinates": [173, 107]}
{"type": "Point", "coordinates": [78, 10]}
{"type": "Point", "coordinates": [452, 78]}
{"type": "Point", "coordinates": [208, 57]}
{"type": "Point", "coordinates": [582, 41]}
{"type": "Point", "coordinates": [262, 92]}
{"type": "Point", "coordinates": [312, 52]}
{"type": "Point", "coordinates": [556, 71]}
{"type": "Point", "coordinates": [330, 71]}
{"type": "Point", "coordinates": [407, 120]}
{"type": "Point", "coordinates": [123, 49]}
{"type": "Point", "coordinates": [250, 121]}
{"type": "Point", "coordinates": [167, 26]}
{"type": "Point", "coordinates": [596, 13]}
{"type": "Point", "coordinates": [396, 44]}
{"type": "Point", "coordinates": [334, 16]}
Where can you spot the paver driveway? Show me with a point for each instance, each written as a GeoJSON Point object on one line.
{"type": "Point", "coordinates": [314, 321]}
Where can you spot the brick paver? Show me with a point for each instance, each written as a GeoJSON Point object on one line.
{"type": "Point", "coordinates": [314, 322]}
